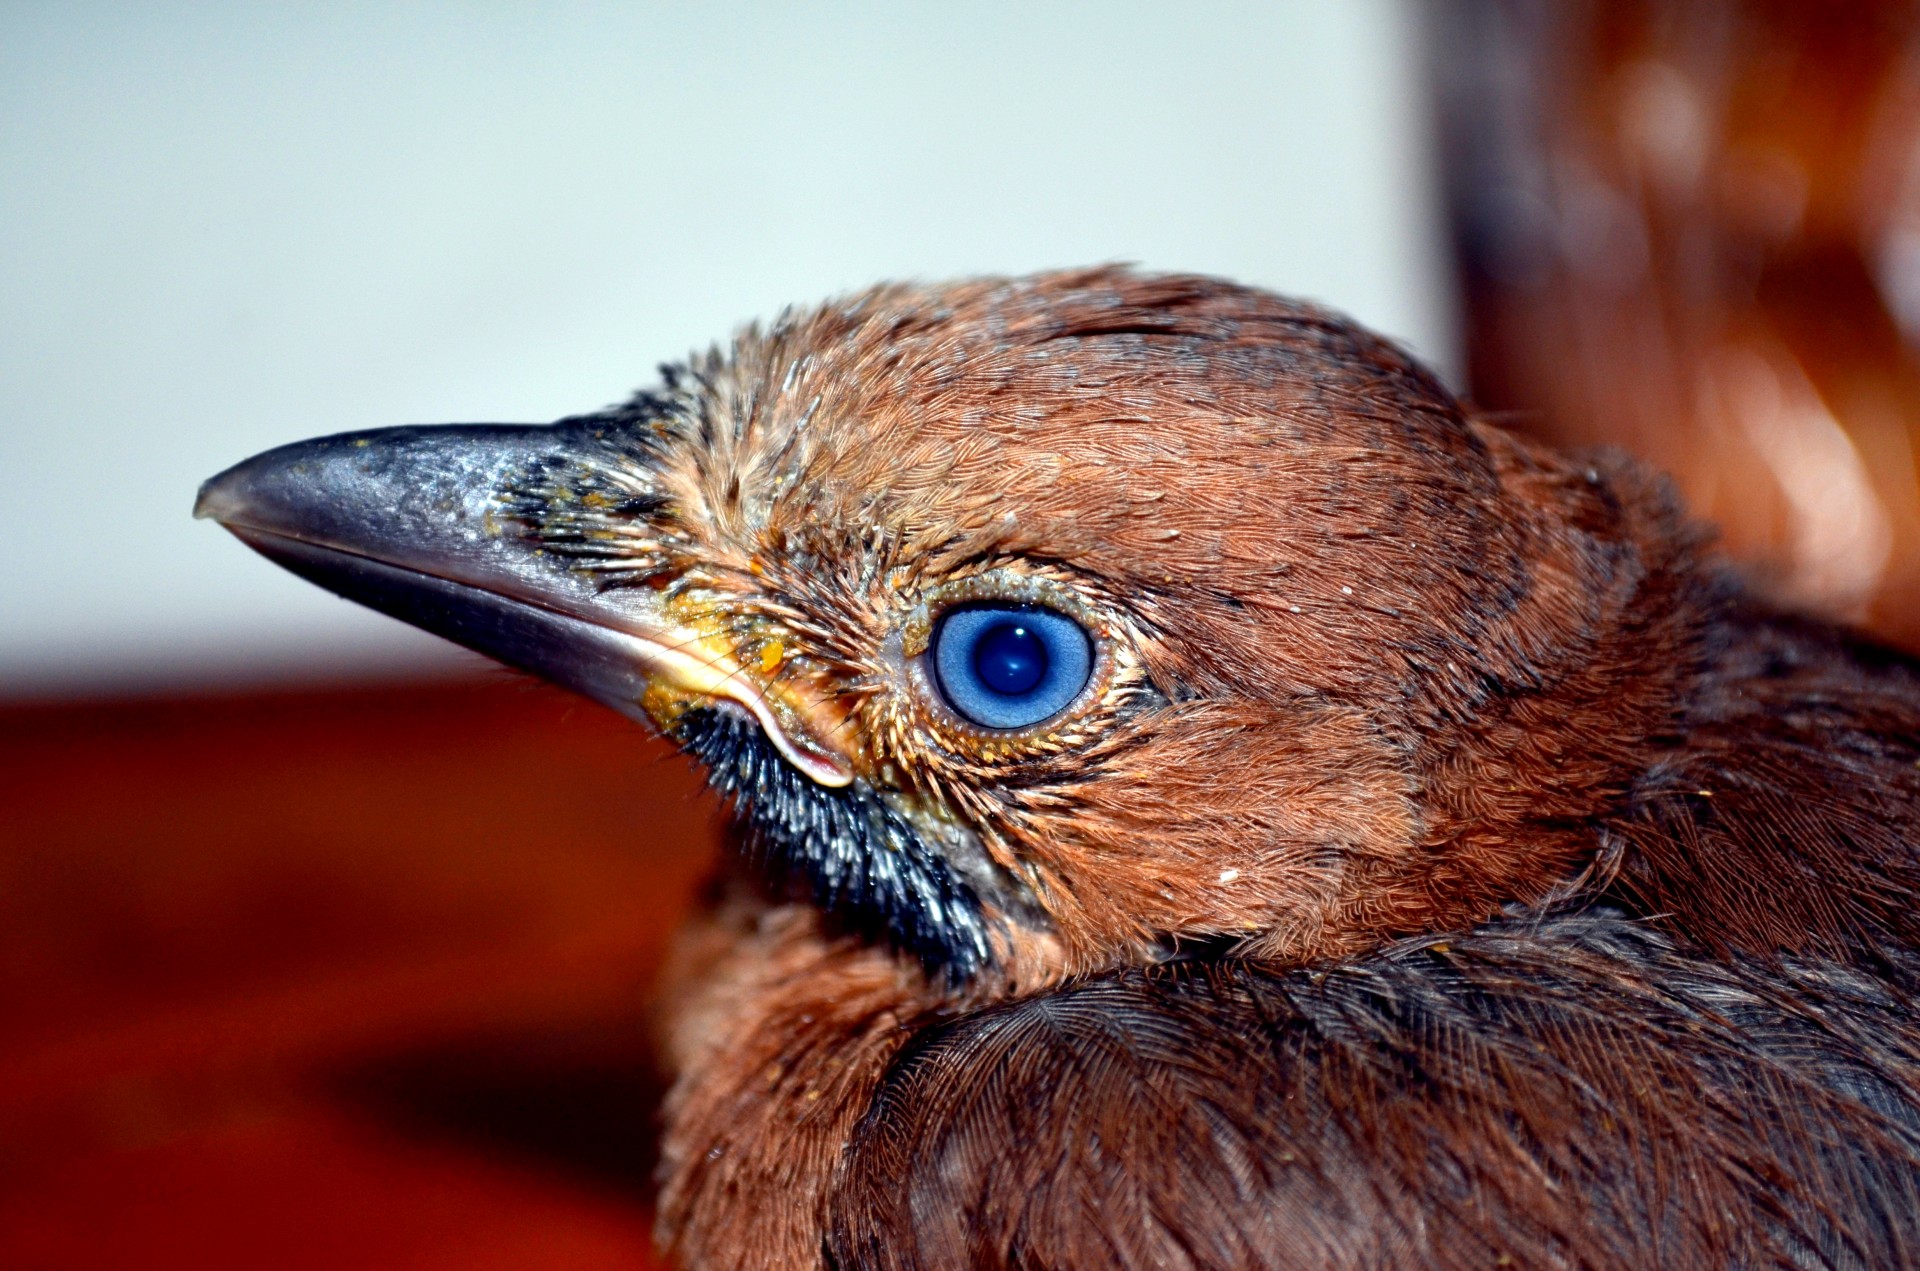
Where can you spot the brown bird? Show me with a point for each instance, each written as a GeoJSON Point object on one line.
{"type": "Point", "coordinates": [1205, 799]}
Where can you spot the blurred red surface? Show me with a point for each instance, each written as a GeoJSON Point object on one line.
{"type": "Point", "coordinates": [352, 978]}
{"type": "Point", "coordinates": [310, 1189]}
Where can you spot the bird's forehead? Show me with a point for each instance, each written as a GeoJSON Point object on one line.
{"type": "Point", "coordinates": [1088, 420]}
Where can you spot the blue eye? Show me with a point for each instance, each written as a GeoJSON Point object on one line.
{"type": "Point", "coordinates": [1007, 666]}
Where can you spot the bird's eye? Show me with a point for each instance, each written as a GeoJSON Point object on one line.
{"type": "Point", "coordinates": [1009, 666]}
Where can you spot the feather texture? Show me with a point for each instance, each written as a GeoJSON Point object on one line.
{"type": "Point", "coordinates": [1478, 876]}
{"type": "Point", "coordinates": [1574, 1091]}
{"type": "Point", "coordinates": [1444, 863]}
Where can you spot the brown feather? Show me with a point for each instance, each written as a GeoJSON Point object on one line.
{"type": "Point", "coordinates": [1442, 861]}
{"type": "Point", "coordinates": [1383, 672]}
{"type": "Point", "coordinates": [1577, 1092]}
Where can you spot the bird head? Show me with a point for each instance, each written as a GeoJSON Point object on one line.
{"type": "Point", "coordinates": [1037, 625]}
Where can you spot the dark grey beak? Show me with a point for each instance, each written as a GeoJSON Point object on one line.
{"type": "Point", "coordinates": [412, 522]}
{"type": "Point", "coordinates": [406, 521]}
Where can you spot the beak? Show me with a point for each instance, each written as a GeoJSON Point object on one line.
{"type": "Point", "coordinates": [408, 521]}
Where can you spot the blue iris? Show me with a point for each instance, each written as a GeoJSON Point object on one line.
{"type": "Point", "coordinates": [1006, 666]}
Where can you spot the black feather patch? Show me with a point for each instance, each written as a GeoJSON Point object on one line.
{"type": "Point", "coordinates": [857, 858]}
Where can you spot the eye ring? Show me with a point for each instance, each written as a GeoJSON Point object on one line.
{"type": "Point", "coordinates": [1007, 666]}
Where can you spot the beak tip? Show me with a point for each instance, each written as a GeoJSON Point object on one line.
{"type": "Point", "coordinates": [209, 501]}
{"type": "Point", "coordinates": [226, 496]}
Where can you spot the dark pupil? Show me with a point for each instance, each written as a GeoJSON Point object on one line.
{"type": "Point", "coordinates": [1010, 659]}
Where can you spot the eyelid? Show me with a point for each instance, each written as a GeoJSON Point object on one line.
{"type": "Point", "coordinates": [1005, 587]}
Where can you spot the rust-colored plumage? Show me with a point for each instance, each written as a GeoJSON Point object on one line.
{"type": "Point", "coordinates": [1442, 862]}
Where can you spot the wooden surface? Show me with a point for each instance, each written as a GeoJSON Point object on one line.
{"type": "Point", "coordinates": [334, 979]}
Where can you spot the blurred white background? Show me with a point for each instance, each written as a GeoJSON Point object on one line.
{"type": "Point", "coordinates": [223, 227]}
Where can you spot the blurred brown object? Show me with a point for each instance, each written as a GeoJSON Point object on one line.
{"type": "Point", "coordinates": [1691, 228]}
{"type": "Point", "coordinates": [353, 978]}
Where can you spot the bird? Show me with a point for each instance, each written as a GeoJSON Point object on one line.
{"type": "Point", "coordinates": [1202, 795]}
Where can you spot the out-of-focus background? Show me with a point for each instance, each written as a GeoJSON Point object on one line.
{"type": "Point", "coordinates": [323, 946]}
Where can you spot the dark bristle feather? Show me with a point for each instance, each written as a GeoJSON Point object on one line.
{"type": "Point", "coordinates": [845, 849]}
